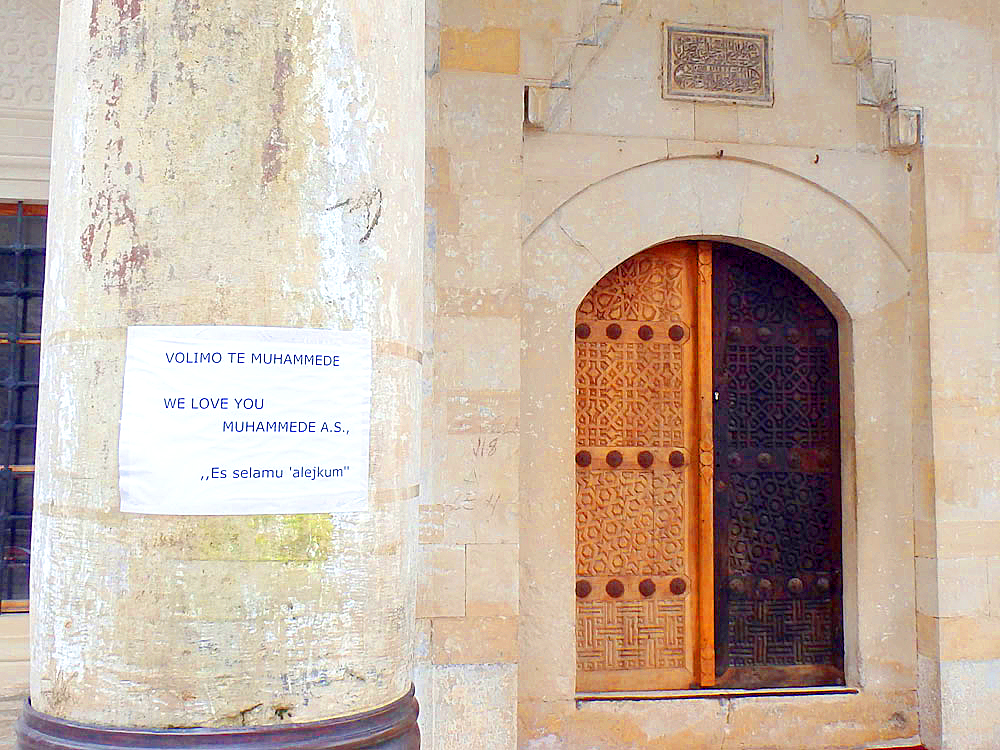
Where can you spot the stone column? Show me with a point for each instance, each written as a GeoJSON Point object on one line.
{"type": "Point", "coordinates": [253, 162]}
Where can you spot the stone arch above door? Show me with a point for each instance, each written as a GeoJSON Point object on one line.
{"type": "Point", "coordinates": [765, 208]}
{"type": "Point", "coordinates": [863, 280]}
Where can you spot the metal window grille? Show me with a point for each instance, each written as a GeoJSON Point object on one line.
{"type": "Point", "coordinates": [22, 268]}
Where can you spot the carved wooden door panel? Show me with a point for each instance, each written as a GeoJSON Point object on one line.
{"type": "Point", "coordinates": [638, 426]}
{"type": "Point", "coordinates": [777, 493]}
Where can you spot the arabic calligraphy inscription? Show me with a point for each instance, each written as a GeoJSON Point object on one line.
{"type": "Point", "coordinates": [719, 65]}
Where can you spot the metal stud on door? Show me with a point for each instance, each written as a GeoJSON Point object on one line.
{"type": "Point", "coordinates": [777, 501]}
{"type": "Point", "coordinates": [637, 426]}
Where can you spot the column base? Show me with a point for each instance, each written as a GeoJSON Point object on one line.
{"type": "Point", "coordinates": [393, 727]}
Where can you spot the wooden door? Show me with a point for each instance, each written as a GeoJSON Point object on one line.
{"type": "Point", "coordinates": [777, 494]}
{"type": "Point", "coordinates": [708, 476]}
{"type": "Point", "coordinates": [639, 419]}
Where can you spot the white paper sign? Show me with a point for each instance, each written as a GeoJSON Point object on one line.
{"type": "Point", "coordinates": [235, 420]}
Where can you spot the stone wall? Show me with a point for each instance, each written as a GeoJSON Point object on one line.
{"type": "Point", "coordinates": [13, 674]}
{"type": "Point", "coordinates": [596, 116]}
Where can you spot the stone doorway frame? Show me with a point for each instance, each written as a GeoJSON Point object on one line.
{"type": "Point", "coordinates": [865, 282]}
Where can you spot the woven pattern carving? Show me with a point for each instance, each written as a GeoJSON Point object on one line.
{"type": "Point", "coordinates": [756, 296]}
{"type": "Point", "coordinates": [629, 523]}
{"type": "Point", "coordinates": [780, 633]}
{"type": "Point", "coordinates": [645, 287]}
{"type": "Point", "coordinates": [778, 396]}
{"type": "Point", "coordinates": [780, 524]}
{"type": "Point", "coordinates": [628, 394]}
{"type": "Point", "coordinates": [629, 635]}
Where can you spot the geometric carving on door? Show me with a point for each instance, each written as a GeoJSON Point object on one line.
{"type": "Point", "coordinates": [646, 288]}
{"type": "Point", "coordinates": [629, 523]}
{"type": "Point", "coordinates": [630, 635]}
{"type": "Point", "coordinates": [780, 526]}
{"type": "Point", "coordinates": [629, 394]}
{"type": "Point", "coordinates": [751, 298]}
{"type": "Point", "coordinates": [777, 500]}
{"type": "Point", "coordinates": [635, 501]}
{"type": "Point", "coordinates": [778, 396]}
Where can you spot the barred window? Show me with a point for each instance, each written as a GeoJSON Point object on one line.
{"type": "Point", "coordinates": [22, 268]}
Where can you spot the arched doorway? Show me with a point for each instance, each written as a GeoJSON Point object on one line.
{"type": "Point", "coordinates": [699, 566]}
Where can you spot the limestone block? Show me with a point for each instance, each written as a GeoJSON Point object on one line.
{"type": "Point", "coordinates": [814, 100]}
{"type": "Point", "coordinates": [441, 580]}
{"type": "Point", "coordinates": [488, 303]}
{"type": "Point", "coordinates": [491, 166]}
{"type": "Point", "coordinates": [486, 519]}
{"type": "Point", "coordinates": [959, 218]}
{"type": "Point", "coordinates": [437, 178]}
{"type": "Point", "coordinates": [585, 159]}
{"type": "Point", "coordinates": [970, 692]}
{"type": "Point", "coordinates": [924, 538]}
{"type": "Point", "coordinates": [993, 581]}
{"type": "Point", "coordinates": [979, 539]}
{"type": "Point", "coordinates": [432, 101]}
{"type": "Point", "coordinates": [556, 267]}
{"type": "Point", "coordinates": [870, 130]}
{"type": "Point", "coordinates": [962, 587]}
{"type": "Point", "coordinates": [460, 261]}
{"type": "Point", "coordinates": [541, 199]}
{"type": "Point", "coordinates": [716, 122]}
{"type": "Point", "coordinates": [431, 523]}
{"type": "Point", "coordinates": [14, 639]}
{"type": "Point", "coordinates": [609, 725]}
{"type": "Point", "coordinates": [536, 55]}
{"type": "Point", "coordinates": [491, 221]}
{"type": "Point", "coordinates": [738, 13]}
{"type": "Point", "coordinates": [475, 640]}
{"type": "Point", "coordinates": [476, 14]}
{"type": "Point", "coordinates": [14, 626]}
{"type": "Point", "coordinates": [966, 489]}
{"type": "Point", "coordinates": [475, 702]}
{"type": "Point", "coordinates": [558, 165]}
{"type": "Point", "coordinates": [634, 51]}
{"type": "Point", "coordinates": [969, 638]}
{"type": "Point", "coordinates": [462, 360]}
{"type": "Point", "coordinates": [491, 579]}
{"type": "Point", "coordinates": [929, 691]}
{"type": "Point", "coordinates": [955, 119]}
{"type": "Point", "coordinates": [482, 412]}
{"type": "Point", "coordinates": [928, 637]}
{"type": "Point", "coordinates": [422, 640]}
{"type": "Point", "coordinates": [478, 476]}
{"type": "Point", "coordinates": [491, 50]}
{"type": "Point", "coordinates": [629, 107]}
{"type": "Point", "coordinates": [14, 680]}
{"type": "Point", "coordinates": [441, 216]}
{"type": "Point", "coordinates": [477, 108]}
{"type": "Point", "coordinates": [926, 586]}
{"type": "Point", "coordinates": [861, 720]}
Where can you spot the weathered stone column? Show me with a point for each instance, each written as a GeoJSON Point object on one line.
{"type": "Point", "coordinates": [253, 162]}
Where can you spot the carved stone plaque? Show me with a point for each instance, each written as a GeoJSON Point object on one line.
{"type": "Point", "coordinates": [726, 65]}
